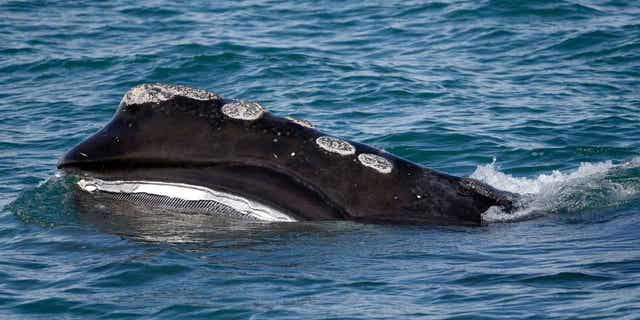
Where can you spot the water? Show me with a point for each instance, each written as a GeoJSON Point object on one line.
{"type": "Point", "coordinates": [549, 89]}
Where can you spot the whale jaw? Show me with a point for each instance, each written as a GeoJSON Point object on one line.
{"type": "Point", "coordinates": [183, 198]}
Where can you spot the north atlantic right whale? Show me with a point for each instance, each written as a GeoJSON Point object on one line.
{"type": "Point", "coordinates": [188, 149]}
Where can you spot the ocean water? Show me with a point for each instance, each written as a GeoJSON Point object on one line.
{"type": "Point", "coordinates": [541, 98]}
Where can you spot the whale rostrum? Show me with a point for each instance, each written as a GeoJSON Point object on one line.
{"type": "Point", "coordinates": [239, 155]}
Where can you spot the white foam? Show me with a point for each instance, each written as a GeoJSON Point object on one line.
{"type": "Point", "coordinates": [588, 186]}
{"type": "Point", "coordinates": [187, 192]}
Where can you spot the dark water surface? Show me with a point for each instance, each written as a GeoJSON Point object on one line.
{"type": "Point", "coordinates": [549, 89]}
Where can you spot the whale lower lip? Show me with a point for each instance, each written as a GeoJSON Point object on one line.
{"type": "Point", "coordinates": [182, 196]}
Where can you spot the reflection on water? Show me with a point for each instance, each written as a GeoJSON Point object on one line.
{"type": "Point", "coordinates": [161, 224]}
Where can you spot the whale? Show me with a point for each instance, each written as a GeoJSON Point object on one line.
{"type": "Point", "coordinates": [189, 150]}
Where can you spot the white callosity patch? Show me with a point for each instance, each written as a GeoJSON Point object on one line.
{"type": "Point", "coordinates": [375, 162]}
{"type": "Point", "coordinates": [186, 192]}
{"type": "Point", "coordinates": [243, 110]}
{"type": "Point", "coordinates": [335, 145]}
{"type": "Point", "coordinates": [301, 122]}
{"type": "Point", "coordinates": [158, 92]}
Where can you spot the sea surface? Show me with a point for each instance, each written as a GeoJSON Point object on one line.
{"type": "Point", "coordinates": [540, 98]}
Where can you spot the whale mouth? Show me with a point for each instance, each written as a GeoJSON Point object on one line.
{"type": "Point", "coordinates": [183, 198]}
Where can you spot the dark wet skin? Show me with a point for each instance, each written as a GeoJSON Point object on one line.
{"type": "Point", "coordinates": [275, 161]}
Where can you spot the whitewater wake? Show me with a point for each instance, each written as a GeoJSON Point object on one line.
{"type": "Point", "coordinates": [591, 185]}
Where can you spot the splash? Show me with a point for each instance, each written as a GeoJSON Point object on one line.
{"type": "Point", "coordinates": [48, 204]}
{"type": "Point", "coordinates": [591, 185]}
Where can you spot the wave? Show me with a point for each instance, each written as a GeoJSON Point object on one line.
{"type": "Point", "coordinates": [591, 185]}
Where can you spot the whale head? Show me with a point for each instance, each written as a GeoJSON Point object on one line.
{"type": "Point", "coordinates": [192, 145]}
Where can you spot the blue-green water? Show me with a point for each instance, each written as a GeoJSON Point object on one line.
{"type": "Point", "coordinates": [550, 89]}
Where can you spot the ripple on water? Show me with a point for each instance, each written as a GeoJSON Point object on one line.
{"type": "Point", "coordinates": [547, 88]}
